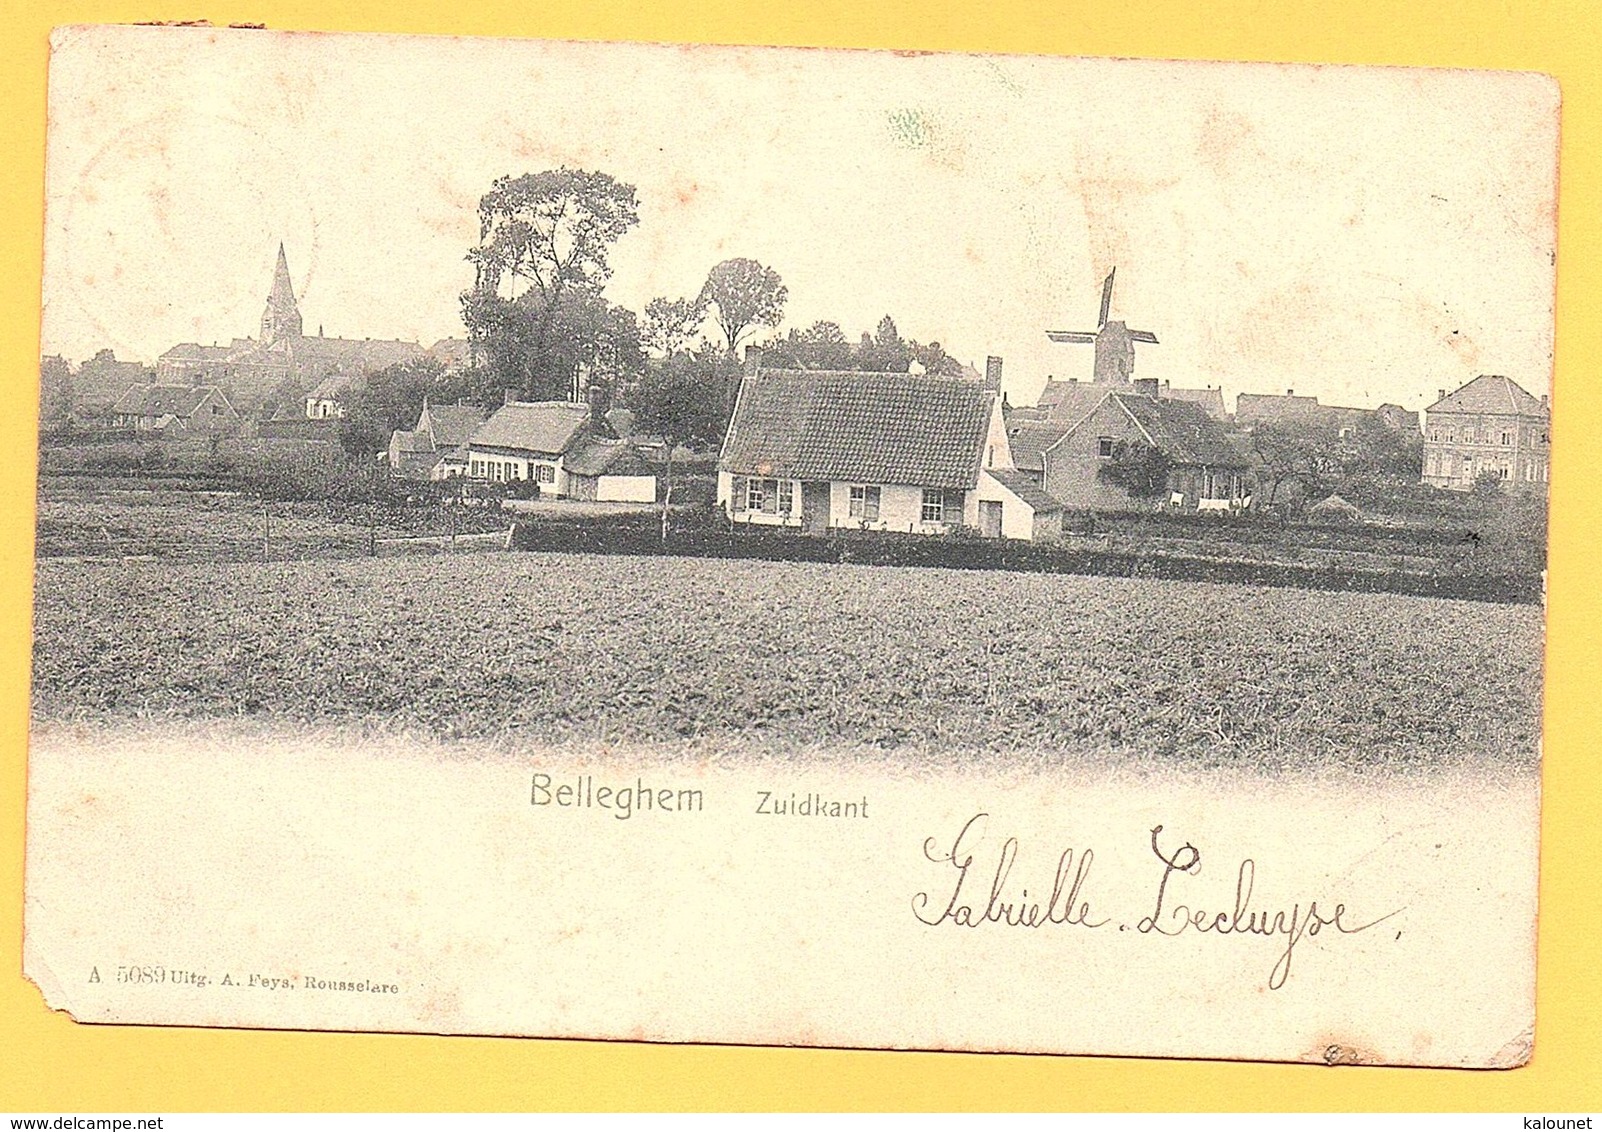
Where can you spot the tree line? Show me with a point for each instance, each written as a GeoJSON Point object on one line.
{"type": "Point", "coordinates": [540, 325]}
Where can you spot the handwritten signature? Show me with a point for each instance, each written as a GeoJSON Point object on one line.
{"type": "Point", "coordinates": [982, 896]}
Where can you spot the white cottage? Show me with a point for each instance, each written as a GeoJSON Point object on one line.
{"type": "Point", "coordinates": [552, 443]}
{"type": "Point", "coordinates": [820, 450]}
{"type": "Point", "coordinates": [527, 440]}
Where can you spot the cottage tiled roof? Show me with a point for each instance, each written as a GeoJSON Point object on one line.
{"type": "Point", "coordinates": [548, 427]}
{"type": "Point", "coordinates": [1028, 439]}
{"type": "Point", "coordinates": [888, 428]}
{"type": "Point", "coordinates": [592, 456]}
{"type": "Point", "coordinates": [1025, 489]}
{"type": "Point", "coordinates": [162, 400]}
{"type": "Point", "coordinates": [1182, 431]}
{"type": "Point", "coordinates": [1490, 393]}
{"type": "Point", "coordinates": [453, 424]}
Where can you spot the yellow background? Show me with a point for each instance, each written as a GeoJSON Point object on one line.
{"type": "Point", "coordinates": [48, 1064]}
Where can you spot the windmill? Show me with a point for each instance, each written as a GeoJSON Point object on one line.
{"type": "Point", "coordinates": [1114, 342]}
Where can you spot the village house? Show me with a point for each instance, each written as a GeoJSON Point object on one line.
{"type": "Point", "coordinates": [553, 444]}
{"type": "Point", "coordinates": [821, 450]}
{"type": "Point", "coordinates": [1491, 426]}
{"type": "Point", "coordinates": [101, 381]}
{"type": "Point", "coordinates": [1205, 471]}
{"type": "Point", "coordinates": [434, 449]}
{"type": "Point", "coordinates": [1301, 411]}
{"type": "Point", "coordinates": [175, 408]}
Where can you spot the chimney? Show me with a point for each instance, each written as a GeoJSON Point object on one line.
{"type": "Point", "coordinates": [753, 360]}
{"type": "Point", "coordinates": [1290, 392]}
{"type": "Point", "coordinates": [993, 374]}
{"type": "Point", "coordinates": [1146, 387]}
{"type": "Point", "coordinates": [1440, 394]}
{"type": "Point", "coordinates": [511, 396]}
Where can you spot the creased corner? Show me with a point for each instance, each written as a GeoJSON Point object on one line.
{"type": "Point", "coordinates": [40, 974]}
{"type": "Point", "coordinates": [1515, 1053]}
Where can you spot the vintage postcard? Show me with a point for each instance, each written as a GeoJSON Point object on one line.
{"type": "Point", "coordinates": [836, 548]}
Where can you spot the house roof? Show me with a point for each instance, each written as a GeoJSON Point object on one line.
{"type": "Point", "coordinates": [592, 456]}
{"type": "Point", "coordinates": [1490, 393]}
{"type": "Point", "coordinates": [163, 400]}
{"type": "Point", "coordinates": [1025, 489]}
{"type": "Point", "coordinates": [1182, 431]}
{"type": "Point", "coordinates": [410, 440]}
{"type": "Point", "coordinates": [194, 351]}
{"type": "Point", "coordinates": [453, 424]}
{"type": "Point", "coordinates": [1211, 400]}
{"type": "Point", "coordinates": [1071, 401]}
{"type": "Point", "coordinates": [868, 427]}
{"type": "Point", "coordinates": [549, 427]}
{"type": "Point", "coordinates": [1274, 408]}
{"type": "Point", "coordinates": [1028, 439]}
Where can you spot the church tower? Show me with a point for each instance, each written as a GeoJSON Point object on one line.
{"type": "Point", "coordinates": [281, 319]}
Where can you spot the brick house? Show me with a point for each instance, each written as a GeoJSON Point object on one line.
{"type": "Point", "coordinates": [1491, 425]}
{"type": "Point", "coordinates": [1205, 470]}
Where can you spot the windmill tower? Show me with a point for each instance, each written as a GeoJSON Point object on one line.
{"type": "Point", "coordinates": [1114, 341]}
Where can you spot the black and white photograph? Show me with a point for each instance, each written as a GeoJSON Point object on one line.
{"type": "Point", "coordinates": [791, 547]}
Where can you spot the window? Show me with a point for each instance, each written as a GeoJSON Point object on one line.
{"type": "Point", "coordinates": [1435, 434]}
{"type": "Point", "coordinates": [934, 505]}
{"type": "Point", "coordinates": [864, 503]}
{"type": "Point", "coordinates": [990, 456]}
{"type": "Point", "coordinates": [544, 473]}
{"type": "Point", "coordinates": [786, 497]}
{"type": "Point", "coordinates": [755, 497]}
{"type": "Point", "coordinates": [1507, 439]}
{"type": "Point", "coordinates": [1104, 447]}
{"type": "Point", "coordinates": [1506, 472]}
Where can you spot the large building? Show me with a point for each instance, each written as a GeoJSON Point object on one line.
{"type": "Point", "coordinates": [252, 370]}
{"type": "Point", "coordinates": [1491, 426]}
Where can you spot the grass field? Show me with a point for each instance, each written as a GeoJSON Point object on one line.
{"type": "Point", "coordinates": [780, 656]}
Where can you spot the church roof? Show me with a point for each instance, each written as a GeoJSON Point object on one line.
{"type": "Point", "coordinates": [282, 296]}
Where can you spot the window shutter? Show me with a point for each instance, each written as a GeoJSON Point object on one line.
{"type": "Point", "coordinates": [953, 505]}
{"type": "Point", "coordinates": [737, 494]}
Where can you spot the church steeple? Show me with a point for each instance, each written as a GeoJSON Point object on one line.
{"type": "Point", "coordinates": [281, 319]}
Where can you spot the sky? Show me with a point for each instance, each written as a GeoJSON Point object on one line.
{"type": "Point", "coordinates": [1360, 234]}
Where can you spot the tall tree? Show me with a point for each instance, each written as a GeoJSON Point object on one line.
{"type": "Point", "coordinates": [747, 295]}
{"type": "Point", "coordinates": [545, 240]}
{"type": "Point", "coordinates": [670, 325]}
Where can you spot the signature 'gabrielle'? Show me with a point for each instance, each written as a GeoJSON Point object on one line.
{"type": "Point", "coordinates": [1065, 906]}
{"type": "Point", "coordinates": [1176, 919]}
